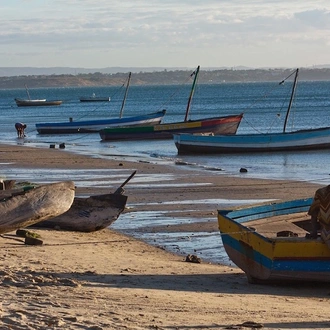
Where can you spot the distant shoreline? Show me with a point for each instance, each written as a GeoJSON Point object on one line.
{"type": "Point", "coordinates": [164, 77]}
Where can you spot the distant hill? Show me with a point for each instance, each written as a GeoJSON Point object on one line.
{"type": "Point", "coordinates": [31, 71]}
{"type": "Point", "coordinates": [47, 77]}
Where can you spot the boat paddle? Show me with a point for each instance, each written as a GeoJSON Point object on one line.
{"type": "Point", "coordinates": [120, 189]}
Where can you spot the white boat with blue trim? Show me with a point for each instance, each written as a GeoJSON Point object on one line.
{"type": "Point", "coordinates": [307, 139]}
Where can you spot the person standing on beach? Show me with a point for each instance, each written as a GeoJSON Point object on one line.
{"type": "Point", "coordinates": [20, 129]}
{"type": "Point", "coordinates": [320, 214]}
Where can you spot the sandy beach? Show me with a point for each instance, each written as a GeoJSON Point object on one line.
{"type": "Point", "coordinates": [107, 280]}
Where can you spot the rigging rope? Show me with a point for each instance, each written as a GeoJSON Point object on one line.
{"type": "Point", "coordinates": [181, 86]}
{"type": "Point", "coordinates": [266, 95]}
{"type": "Point", "coordinates": [96, 108]}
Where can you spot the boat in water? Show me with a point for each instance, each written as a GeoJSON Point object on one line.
{"type": "Point", "coordinates": [35, 102]}
{"type": "Point", "coordinates": [92, 126]}
{"type": "Point", "coordinates": [95, 98]}
{"type": "Point", "coordinates": [299, 140]}
{"type": "Point", "coordinates": [214, 125]}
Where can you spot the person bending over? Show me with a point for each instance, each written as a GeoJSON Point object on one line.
{"type": "Point", "coordinates": [20, 129]}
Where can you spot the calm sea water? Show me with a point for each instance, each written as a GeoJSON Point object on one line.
{"type": "Point", "coordinates": [263, 104]}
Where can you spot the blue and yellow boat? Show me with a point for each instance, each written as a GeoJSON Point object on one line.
{"type": "Point", "coordinates": [271, 243]}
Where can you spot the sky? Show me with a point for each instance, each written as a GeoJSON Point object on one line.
{"type": "Point", "coordinates": [164, 33]}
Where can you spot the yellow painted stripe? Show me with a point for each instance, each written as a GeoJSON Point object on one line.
{"type": "Point", "coordinates": [276, 247]}
{"type": "Point", "coordinates": [240, 233]}
{"type": "Point", "coordinates": [301, 248]}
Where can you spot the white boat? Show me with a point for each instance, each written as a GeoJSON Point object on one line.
{"type": "Point", "coordinates": [309, 139]}
{"type": "Point", "coordinates": [35, 102]}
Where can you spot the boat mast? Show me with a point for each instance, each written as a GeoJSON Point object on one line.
{"type": "Point", "coordinates": [27, 92]}
{"type": "Point", "coordinates": [291, 99]}
{"type": "Point", "coordinates": [191, 93]}
{"type": "Point", "coordinates": [124, 100]}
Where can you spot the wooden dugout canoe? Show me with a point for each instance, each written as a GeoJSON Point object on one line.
{"type": "Point", "coordinates": [88, 214]}
{"type": "Point", "coordinates": [24, 208]}
{"type": "Point", "coordinates": [91, 213]}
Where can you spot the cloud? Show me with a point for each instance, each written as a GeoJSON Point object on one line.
{"type": "Point", "coordinates": [86, 27]}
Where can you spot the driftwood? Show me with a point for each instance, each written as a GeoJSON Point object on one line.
{"type": "Point", "coordinates": [24, 208]}
{"type": "Point", "coordinates": [92, 213]}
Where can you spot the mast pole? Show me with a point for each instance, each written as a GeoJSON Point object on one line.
{"type": "Point", "coordinates": [291, 100]}
{"type": "Point", "coordinates": [27, 92]}
{"type": "Point", "coordinates": [124, 100]}
{"type": "Point", "coordinates": [191, 93]}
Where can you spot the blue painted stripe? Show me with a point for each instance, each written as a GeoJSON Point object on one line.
{"type": "Point", "coordinates": [264, 211]}
{"type": "Point", "coordinates": [316, 265]}
{"type": "Point", "coordinates": [250, 253]}
{"type": "Point", "coordinates": [302, 265]}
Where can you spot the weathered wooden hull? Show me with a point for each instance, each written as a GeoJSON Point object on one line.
{"type": "Point", "coordinates": [268, 259]}
{"type": "Point", "coordinates": [217, 125]}
{"type": "Point", "coordinates": [313, 139]}
{"type": "Point", "coordinates": [94, 126]}
{"type": "Point", "coordinates": [89, 214]}
{"type": "Point", "coordinates": [34, 205]}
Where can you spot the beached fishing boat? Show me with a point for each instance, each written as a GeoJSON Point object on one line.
{"type": "Point", "coordinates": [20, 208]}
{"type": "Point", "coordinates": [307, 139]}
{"type": "Point", "coordinates": [35, 102]}
{"type": "Point", "coordinates": [89, 214]}
{"type": "Point", "coordinates": [214, 125]}
{"type": "Point", "coordinates": [91, 126]}
{"type": "Point", "coordinates": [272, 243]}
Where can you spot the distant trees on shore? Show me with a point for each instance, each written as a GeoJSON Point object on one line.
{"type": "Point", "coordinates": [164, 77]}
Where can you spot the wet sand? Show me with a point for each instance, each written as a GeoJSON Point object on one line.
{"type": "Point", "coordinates": [107, 280]}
